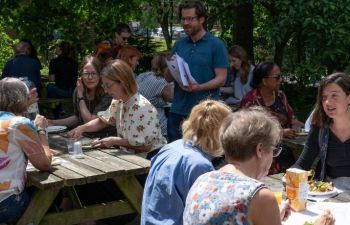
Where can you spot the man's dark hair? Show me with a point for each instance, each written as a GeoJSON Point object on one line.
{"type": "Point", "coordinates": [201, 10]}
{"type": "Point", "coordinates": [122, 27]}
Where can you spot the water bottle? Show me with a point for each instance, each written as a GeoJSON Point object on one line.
{"type": "Point", "coordinates": [33, 109]}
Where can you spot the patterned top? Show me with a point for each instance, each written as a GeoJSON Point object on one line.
{"type": "Point", "coordinates": [220, 198]}
{"type": "Point", "coordinates": [280, 108]}
{"type": "Point", "coordinates": [135, 120]}
{"type": "Point", "coordinates": [151, 87]}
{"type": "Point", "coordinates": [18, 139]}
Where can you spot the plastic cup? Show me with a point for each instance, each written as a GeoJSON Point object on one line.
{"type": "Point", "coordinates": [70, 146]}
{"type": "Point", "coordinates": [278, 196]}
{"type": "Point", "coordinates": [78, 150]}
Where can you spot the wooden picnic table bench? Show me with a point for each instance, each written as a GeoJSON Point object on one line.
{"type": "Point", "coordinates": [96, 165]}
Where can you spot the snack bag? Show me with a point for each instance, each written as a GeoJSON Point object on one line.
{"type": "Point", "coordinates": [297, 188]}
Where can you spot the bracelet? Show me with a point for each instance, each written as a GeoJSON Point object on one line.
{"type": "Point", "coordinates": [42, 132]}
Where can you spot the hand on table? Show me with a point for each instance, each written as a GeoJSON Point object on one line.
{"type": "Point", "coordinates": [289, 133]}
{"type": "Point", "coordinates": [325, 219]}
{"type": "Point", "coordinates": [107, 142]}
{"type": "Point", "coordinates": [33, 96]}
{"type": "Point", "coordinates": [76, 132]}
{"type": "Point", "coordinates": [285, 210]}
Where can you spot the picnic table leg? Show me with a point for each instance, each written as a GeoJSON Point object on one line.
{"type": "Point", "coordinates": [73, 196]}
{"type": "Point", "coordinates": [132, 190]}
{"type": "Point", "coordinates": [38, 206]}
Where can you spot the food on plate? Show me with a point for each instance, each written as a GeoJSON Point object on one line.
{"type": "Point", "coordinates": [319, 186]}
{"type": "Point", "coordinates": [308, 223]}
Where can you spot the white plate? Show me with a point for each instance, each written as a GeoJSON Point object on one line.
{"type": "Point", "coordinates": [302, 134]}
{"type": "Point", "coordinates": [52, 129]}
{"type": "Point", "coordinates": [313, 193]}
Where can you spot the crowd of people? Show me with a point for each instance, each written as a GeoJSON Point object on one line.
{"type": "Point", "coordinates": [110, 97]}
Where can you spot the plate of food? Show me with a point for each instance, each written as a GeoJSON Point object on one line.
{"type": "Point", "coordinates": [55, 129]}
{"type": "Point", "coordinates": [302, 133]}
{"type": "Point", "coordinates": [320, 188]}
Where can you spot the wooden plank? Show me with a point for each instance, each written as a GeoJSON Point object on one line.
{"type": "Point", "coordinates": [131, 189]}
{"type": "Point", "coordinates": [129, 157]}
{"type": "Point", "coordinates": [91, 174]}
{"type": "Point", "coordinates": [89, 213]}
{"type": "Point", "coordinates": [38, 206]}
{"type": "Point", "coordinates": [115, 161]}
{"type": "Point", "coordinates": [109, 170]}
{"type": "Point", "coordinates": [70, 177]}
{"type": "Point", "coordinates": [43, 180]}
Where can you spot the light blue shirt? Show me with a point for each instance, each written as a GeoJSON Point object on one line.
{"type": "Point", "coordinates": [203, 57]}
{"type": "Point", "coordinates": [173, 171]}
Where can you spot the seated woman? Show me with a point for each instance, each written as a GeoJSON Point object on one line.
{"type": "Point", "coordinates": [241, 77]}
{"type": "Point", "coordinates": [130, 55]}
{"type": "Point", "coordinates": [156, 89]}
{"type": "Point", "coordinates": [234, 194]}
{"type": "Point", "coordinates": [89, 97]}
{"type": "Point", "coordinates": [132, 114]}
{"type": "Point", "coordinates": [21, 140]}
{"type": "Point", "coordinates": [329, 137]}
{"type": "Point", "coordinates": [267, 78]}
{"type": "Point", "coordinates": [178, 164]}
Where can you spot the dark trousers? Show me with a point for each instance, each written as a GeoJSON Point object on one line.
{"type": "Point", "coordinates": [174, 126]}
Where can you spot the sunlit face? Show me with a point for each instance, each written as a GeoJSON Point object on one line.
{"type": "Point", "coordinates": [190, 22]}
{"type": "Point", "coordinates": [334, 100]}
{"type": "Point", "coordinates": [121, 39]}
{"type": "Point", "coordinates": [274, 79]}
{"type": "Point", "coordinates": [113, 88]}
{"type": "Point", "coordinates": [235, 63]}
{"type": "Point", "coordinates": [134, 61]}
{"type": "Point", "coordinates": [90, 77]}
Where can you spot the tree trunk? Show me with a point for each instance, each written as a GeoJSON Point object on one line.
{"type": "Point", "coordinates": [243, 20]}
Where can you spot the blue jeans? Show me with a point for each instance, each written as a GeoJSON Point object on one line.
{"type": "Point", "coordinates": [12, 208]}
{"type": "Point", "coordinates": [55, 92]}
{"type": "Point", "coordinates": [174, 126]}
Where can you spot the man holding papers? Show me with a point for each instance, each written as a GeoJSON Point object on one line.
{"type": "Point", "coordinates": [201, 61]}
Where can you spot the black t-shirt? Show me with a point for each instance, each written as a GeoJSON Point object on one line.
{"type": "Point", "coordinates": [65, 70]}
{"type": "Point", "coordinates": [337, 159]}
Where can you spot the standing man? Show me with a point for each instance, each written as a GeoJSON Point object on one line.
{"type": "Point", "coordinates": [122, 33]}
{"type": "Point", "coordinates": [207, 58]}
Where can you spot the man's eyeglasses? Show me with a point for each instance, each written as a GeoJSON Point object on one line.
{"type": "Point", "coordinates": [88, 75]}
{"type": "Point", "coordinates": [188, 19]}
{"type": "Point", "coordinates": [277, 76]}
{"type": "Point", "coordinates": [276, 151]}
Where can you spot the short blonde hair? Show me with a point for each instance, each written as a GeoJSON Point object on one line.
{"type": "Point", "coordinates": [243, 130]}
{"type": "Point", "coordinates": [14, 95]}
{"type": "Point", "coordinates": [202, 126]}
{"type": "Point", "coordinates": [119, 71]}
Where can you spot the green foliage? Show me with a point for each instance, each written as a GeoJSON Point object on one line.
{"type": "Point", "coordinates": [6, 44]}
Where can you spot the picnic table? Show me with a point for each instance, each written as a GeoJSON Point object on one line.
{"type": "Point", "coordinates": [96, 165]}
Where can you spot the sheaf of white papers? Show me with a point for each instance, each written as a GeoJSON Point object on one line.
{"type": "Point", "coordinates": [340, 211]}
{"type": "Point", "coordinates": [180, 70]}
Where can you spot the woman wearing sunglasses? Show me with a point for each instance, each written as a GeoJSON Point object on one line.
{"type": "Point", "coordinates": [266, 82]}
{"type": "Point", "coordinates": [89, 97]}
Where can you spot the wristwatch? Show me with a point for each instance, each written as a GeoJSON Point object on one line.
{"type": "Point", "coordinates": [42, 132]}
{"type": "Point", "coordinates": [80, 98]}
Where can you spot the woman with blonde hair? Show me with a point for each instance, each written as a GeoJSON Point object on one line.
{"type": "Point", "coordinates": [134, 117]}
{"type": "Point", "coordinates": [88, 97]}
{"type": "Point", "coordinates": [178, 164]}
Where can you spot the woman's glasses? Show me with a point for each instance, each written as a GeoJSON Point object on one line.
{"type": "Point", "coordinates": [277, 76]}
{"type": "Point", "coordinates": [89, 75]}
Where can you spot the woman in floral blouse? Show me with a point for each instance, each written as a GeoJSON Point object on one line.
{"type": "Point", "coordinates": [133, 115]}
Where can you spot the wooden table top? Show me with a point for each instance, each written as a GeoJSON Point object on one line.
{"type": "Point", "coordinates": [96, 165]}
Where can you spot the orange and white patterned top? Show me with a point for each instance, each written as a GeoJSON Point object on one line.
{"type": "Point", "coordinates": [135, 120]}
{"type": "Point", "coordinates": [18, 140]}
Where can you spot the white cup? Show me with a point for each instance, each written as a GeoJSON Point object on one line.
{"type": "Point", "coordinates": [78, 150]}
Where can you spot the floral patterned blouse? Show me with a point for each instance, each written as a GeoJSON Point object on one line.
{"type": "Point", "coordinates": [220, 198]}
{"type": "Point", "coordinates": [135, 120]}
